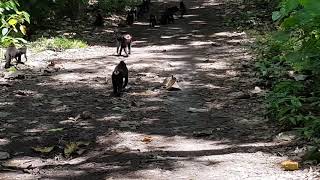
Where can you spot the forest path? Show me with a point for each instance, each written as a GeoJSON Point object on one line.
{"type": "Point", "coordinates": [148, 133]}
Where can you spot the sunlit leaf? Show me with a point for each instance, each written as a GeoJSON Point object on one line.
{"type": "Point", "coordinates": [12, 22]}
{"type": "Point", "coordinates": [5, 31]}
{"type": "Point", "coordinates": [290, 165]}
{"type": "Point", "coordinates": [12, 69]}
{"type": "Point", "coordinates": [147, 139]}
{"type": "Point", "coordinates": [23, 29]}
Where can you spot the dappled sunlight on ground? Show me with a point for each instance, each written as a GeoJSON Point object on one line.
{"type": "Point", "coordinates": [210, 129]}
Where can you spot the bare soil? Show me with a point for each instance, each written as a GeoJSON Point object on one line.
{"type": "Point", "coordinates": [149, 132]}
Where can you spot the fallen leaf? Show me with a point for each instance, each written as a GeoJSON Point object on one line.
{"type": "Point", "coordinates": [82, 143]}
{"type": "Point", "coordinates": [171, 84]}
{"type": "Point", "coordinates": [70, 148]}
{"type": "Point", "coordinates": [147, 139]}
{"type": "Point", "coordinates": [73, 147]}
{"type": "Point", "coordinates": [55, 130]}
{"type": "Point", "coordinates": [196, 110]}
{"type": "Point", "coordinates": [43, 149]}
{"type": "Point", "coordinates": [290, 165]}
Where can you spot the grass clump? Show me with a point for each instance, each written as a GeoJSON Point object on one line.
{"type": "Point", "coordinates": [57, 44]}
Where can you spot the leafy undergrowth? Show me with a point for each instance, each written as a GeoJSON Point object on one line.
{"type": "Point", "coordinates": [57, 44]}
{"type": "Point", "coordinates": [288, 64]}
{"type": "Point", "coordinates": [250, 15]}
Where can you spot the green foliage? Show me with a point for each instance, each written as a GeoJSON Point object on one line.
{"type": "Point", "coordinates": [12, 23]}
{"type": "Point", "coordinates": [43, 11]}
{"type": "Point", "coordinates": [290, 60]}
{"type": "Point", "coordinates": [116, 5]}
{"type": "Point", "coordinates": [57, 44]}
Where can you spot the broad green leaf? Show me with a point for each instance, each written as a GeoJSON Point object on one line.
{"type": "Point", "coordinates": [26, 16]}
{"type": "Point", "coordinates": [290, 22]}
{"type": "Point", "coordinates": [281, 36]}
{"type": "Point", "coordinates": [290, 5]}
{"type": "Point", "coordinates": [276, 15]}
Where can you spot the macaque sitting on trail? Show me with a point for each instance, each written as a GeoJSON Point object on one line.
{"type": "Point", "coordinates": [130, 17]}
{"type": "Point", "coordinates": [183, 9]}
{"type": "Point", "coordinates": [153, 20]}
{"type": "Point", "coordinates": [99, 20]}
{"type": "Point", "coordinates": [171, 11]}
{"type": "Point", "coordinates": [167, 15]}
{"type": "Point", "coordinates": [120, 72]}
{"type": "Point", "coordinates": [124, 41]}
{"type": "Point", "coordinates": [13, 52]}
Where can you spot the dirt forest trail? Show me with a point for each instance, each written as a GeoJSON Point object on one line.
{"type": "Point", "coordinates": [148, 133]}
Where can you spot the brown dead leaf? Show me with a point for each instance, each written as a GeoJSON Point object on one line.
{"type": "Point", "coordinates": [147, 139]}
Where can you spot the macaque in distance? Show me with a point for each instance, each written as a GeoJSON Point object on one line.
{"type": "Point", "coordinates": [13, 52]}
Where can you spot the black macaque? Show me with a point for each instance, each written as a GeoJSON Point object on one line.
{"type": "Point", "coordinates": [152, 20]}
{"type": "Point", "coordinates": [164, 18]}
{"type": "Point", "coordinates": [13, 52]}
{"type": "Point", "coordinates": [167, 15]}
{"type": "Point", "coordinates": [130, 18]}
{"type": "Point", "coordinates": [99, 20]}
{"type": "Point", "coordinates": [120, 72]}
{"type": "Point", "coordinates": [183, 9]}
{"type": "Point", "coordinates": [30, 32]}
{"type": "Point", "coordinates": [124, 41]}
{"type": "Point", "coordinates": [134, 10]}
{"type": "Point", "coordinates": [171, 11]}
{"type": "Point", "coordinates": [146, 5]}
{"type": "Point", "coordinates": [140, 11]}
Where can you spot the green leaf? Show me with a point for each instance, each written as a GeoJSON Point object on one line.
{"type": "Point", "coordinates": [290, 22]}
{"type": "Point", "coordinates": [281, 36]}
{"type": "Point", "coordinates": [311, 6]}
{"type": "Point", "coordinates": [291, 5]}
{"type": "Point", "coordinates": [23, 29]}
{"type": "Point", "coordinates": [12, 22]}
{"type": "Point", "coordinates": [293, 120]}
{"type": "Point", "coordinates": [5, 31]}
{"type": "Point", "coordinates": [22, 40]}
{"type": "Point", "coordinates": [276, 15]}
